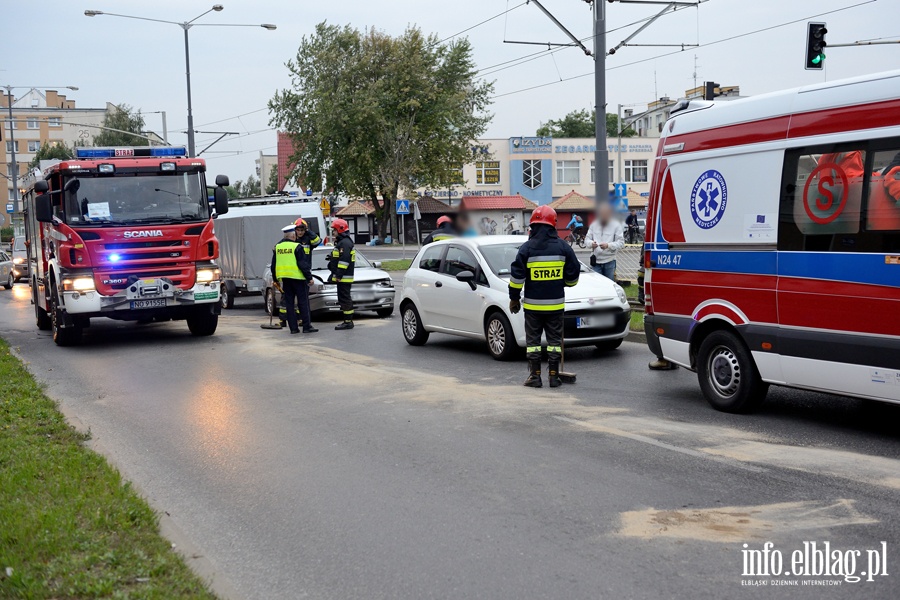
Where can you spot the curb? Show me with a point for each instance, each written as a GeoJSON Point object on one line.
{"type": "Point", "coordinates": [638, 337]}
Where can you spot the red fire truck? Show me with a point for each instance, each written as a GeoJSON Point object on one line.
{"type": "Point", "coordinates": [124, 233]}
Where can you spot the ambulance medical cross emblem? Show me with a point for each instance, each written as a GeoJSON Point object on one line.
{"type": "Point", "coordinates": [708, 199]}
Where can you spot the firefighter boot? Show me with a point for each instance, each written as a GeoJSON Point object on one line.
{"type": "Point", "coordinates": [553, 373]}
{"type": "Point", "coordinates": [534, 376]}
{"type": "Point", "coordinates": [345, 325]}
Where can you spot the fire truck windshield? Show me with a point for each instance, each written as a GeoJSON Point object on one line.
{"type": "Point", "coordinates": [127, 199]}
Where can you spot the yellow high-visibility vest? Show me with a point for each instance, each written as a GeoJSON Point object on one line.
{"type": "Point", "coordinates": [286, 261]}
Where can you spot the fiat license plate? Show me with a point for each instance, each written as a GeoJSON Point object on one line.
{"type": "Point", "coordinates": [595, 321]}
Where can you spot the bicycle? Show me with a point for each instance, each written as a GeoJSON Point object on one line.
{"type": "Point", "coordinates": [576, 238]}
{"type": "Point", "coordinates": [633, 235]}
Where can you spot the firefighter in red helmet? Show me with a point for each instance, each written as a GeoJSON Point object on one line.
{"type": "Point", "coordinates": [544, 266]}
{"type": "Point", "coordinates": [444, 231]}
{"type": "Point", "coordinates": [341, 265]}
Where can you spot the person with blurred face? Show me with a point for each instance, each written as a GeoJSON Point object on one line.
{"type": "Point", "coordinates": [606, 239]}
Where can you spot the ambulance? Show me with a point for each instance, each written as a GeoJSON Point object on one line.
{"type": "Point", "coordinates": [773, 242]}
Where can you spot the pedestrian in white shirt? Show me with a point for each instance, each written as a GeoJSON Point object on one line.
{"type": "Point", "coordinates": [606, 239]}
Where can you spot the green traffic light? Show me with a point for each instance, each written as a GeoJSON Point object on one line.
{"type": "Point", "coordinates": [819, 58]}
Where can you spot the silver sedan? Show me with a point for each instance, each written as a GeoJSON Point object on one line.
{"type": "Point", "coordinates": [372, 289]}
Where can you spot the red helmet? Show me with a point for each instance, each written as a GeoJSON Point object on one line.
{"type": "Point", "coordinates": [300, 223]}
{"type": "Point", "coordinates": [545, 215]}
{"type": "Point", "coordinates": [444, 219]}
{"type": "Point", "coordinates": [340, 226]}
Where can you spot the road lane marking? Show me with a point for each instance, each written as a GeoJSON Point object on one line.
{"type": "Point", "coordinates": [659, 444]}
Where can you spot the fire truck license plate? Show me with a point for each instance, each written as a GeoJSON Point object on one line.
{"type": "Point", "coordinates": [158, 303]}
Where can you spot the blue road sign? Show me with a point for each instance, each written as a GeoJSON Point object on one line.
{"type": "Point", "coordinates": [620, 204]}
{"type": "Point", "coordinates": [621, 189]}
{"type": "Point", "coordinates": [10, 208]}
{"type": "Point", "coordinates": [402, 207]}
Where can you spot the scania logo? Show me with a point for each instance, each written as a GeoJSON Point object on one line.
{"type": "Point", "coordinates": [144, 233]}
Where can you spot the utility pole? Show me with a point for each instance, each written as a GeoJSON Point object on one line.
{"type": "Point", "coordinates": [601, 156]}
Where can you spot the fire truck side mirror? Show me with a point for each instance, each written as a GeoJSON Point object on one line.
{"type": "Point", "coordinates": [222, 180]}
{"type": "Point", "coordinates": [41, 186]}
{"type": "Point", "coordinates": [43, 209]}
{"type": "Point", "coordinates": [221, 198]}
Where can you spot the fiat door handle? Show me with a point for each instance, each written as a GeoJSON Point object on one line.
{"type": "Point", "coordinates": [438, 284]}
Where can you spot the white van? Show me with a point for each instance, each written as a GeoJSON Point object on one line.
{"type": "Point", "coordinates": [247, 234]}
{"type": "Point", "coordinates": [773, 242]}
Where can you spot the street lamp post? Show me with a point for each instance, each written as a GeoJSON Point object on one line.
{"type": "Point", "coordinates": [14, 167]}
{"type": "Point", "coordinates": [186, 26]}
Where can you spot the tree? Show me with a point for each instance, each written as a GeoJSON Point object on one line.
{"type": "Point", "coordinates": [244, 189]}
{"type": "Point", "coordinates": [272, 186]}
{"type": "Point", "coordinates": [122, 118]}
{"type": "Point", "coordinates": [580, 124]}
{"type": "Point", "coordinates": [49, 151]}
{"type": "Point", "coordinates": [370, 113]}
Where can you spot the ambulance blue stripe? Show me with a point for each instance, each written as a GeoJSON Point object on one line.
{"type": "Point", "coordinates": [832, 266]}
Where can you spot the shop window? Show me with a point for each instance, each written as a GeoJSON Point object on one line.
{"type": "Point", "coordinates": [531, 174]}
{"type": "Point", "coordinates": [568, 172]}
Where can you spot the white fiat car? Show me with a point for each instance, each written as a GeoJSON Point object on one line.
{"type": "Point", "coordinates": [461, 287]}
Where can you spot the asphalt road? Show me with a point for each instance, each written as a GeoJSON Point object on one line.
{"type": "Point", "coordinates": [351, 465]}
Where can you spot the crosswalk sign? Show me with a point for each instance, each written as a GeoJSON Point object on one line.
{"type": "Point", "coordinates": [402, 207]}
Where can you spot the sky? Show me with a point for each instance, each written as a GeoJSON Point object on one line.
{"type": "Point", "coordinates": [236, 70]}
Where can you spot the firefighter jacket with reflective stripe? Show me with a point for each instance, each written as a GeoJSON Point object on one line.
{"type": "Point", "coordinates": [343, 259]}
{"type": "Point", "coordinates": [287, 261]}
{"type": "Point", "coordinates": [444, 232]}
{"type": "Point", "coordinates": [308, 242]}
{"type": "Point", "coordinates": [544, 267]}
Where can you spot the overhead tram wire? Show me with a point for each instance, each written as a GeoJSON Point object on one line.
{"type": "Point", "coordinates": [485, 71]}
{"type": "Point", "coordinates": [713, 43]}
{"type": "Point", "coordinates": [488, 20]}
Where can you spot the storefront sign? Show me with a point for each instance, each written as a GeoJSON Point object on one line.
{"type": "Point", "coordinates": [592, 148]}
{"type": "Point", "coordinates": [530, 145]}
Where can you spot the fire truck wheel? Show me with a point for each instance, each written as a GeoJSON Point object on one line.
{"type": "Point", "coordinates": [40, 315]}
{"type": "Point", "coordinates": [203, 321]}
{"type": "Point", "coordinates": [68, 336]}
{"type": "Point", "coordinates": [728, 376]}
{"type": "Point", "coordinates": [226, 296]}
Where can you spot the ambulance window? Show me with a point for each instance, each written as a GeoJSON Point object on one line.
{"type": "Point", "coordinates": [842, 198]}
{"type": "Point", "coordinates": [883, 206]}
{"type": "Point", "coordinates": [821, 201]}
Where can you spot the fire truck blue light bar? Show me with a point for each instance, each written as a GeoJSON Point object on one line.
{"type": "Point", "coordinates": [144, 152]}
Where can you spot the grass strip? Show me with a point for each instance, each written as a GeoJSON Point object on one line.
{"type": "Point", "coordinates": [70, 527]}
{"type": "Point", "coordinates": [400, 264]}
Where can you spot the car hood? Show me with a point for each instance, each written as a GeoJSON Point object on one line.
{"type": "Point", "coordinates": [592, 285]}
{"type": "Point", "coordinates": [360, 275]}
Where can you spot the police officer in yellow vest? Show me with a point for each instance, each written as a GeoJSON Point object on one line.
{"type": "Point", "coordinates": [289, 265]}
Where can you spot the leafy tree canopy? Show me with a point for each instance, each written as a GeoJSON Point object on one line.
{"type": "Point", "coordinates": [580, 124]}
{"type": "Point", "coordinates": [243, 189]}
{"type": "Point", "coordinates": [126, 121]}
{"type": "Point", "coordinates": [49, 151]}
{"type": "Point", "coordinates": [370, 113]}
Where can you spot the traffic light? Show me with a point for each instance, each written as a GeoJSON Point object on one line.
{"type": "Point", "coordinates": [815, 46]}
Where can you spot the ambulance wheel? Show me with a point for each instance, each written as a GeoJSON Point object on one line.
{"type": "Point", "coordinates": [413, 330]}
{"type": "Point", "coordinates": [40, 315]}
{"type": "Point", "coordinates": [202, 321]}
{"type": "Point", "coordinates": [728, 376]}
{"type": "Point", "coordinates": [226, 296]}
{"type": "Point", "coordinates": [63, 336]}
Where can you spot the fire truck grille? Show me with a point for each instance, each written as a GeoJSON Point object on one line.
{"type": "Point", "coordinates": [118, 280]}
{"type": "Point", "coordinates": [133, 245]}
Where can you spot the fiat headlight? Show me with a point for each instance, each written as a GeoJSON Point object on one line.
{"type": "Point", "coordinates": [18, 260]}
{"type": "Point", "coordinates": [621, 294]}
